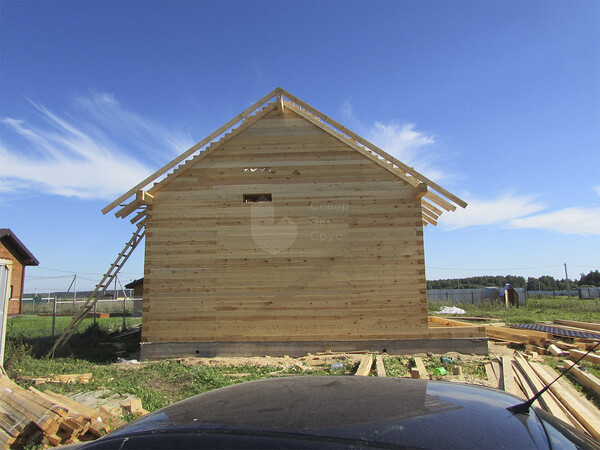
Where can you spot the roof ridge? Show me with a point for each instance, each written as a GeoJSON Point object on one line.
{"type": "Point", "coordinates": [215, 139]}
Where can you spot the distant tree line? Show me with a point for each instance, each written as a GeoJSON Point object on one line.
{"type": "Point", "coordinates": [543, 283]}
{"type": "Point", "coordinates": [591, 279]}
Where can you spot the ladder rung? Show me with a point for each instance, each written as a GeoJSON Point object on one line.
{"type": "Point", "coordinates": [100, 287]}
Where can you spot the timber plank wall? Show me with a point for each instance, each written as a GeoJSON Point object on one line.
{"type": "Point", "coordinates": [336, 255]}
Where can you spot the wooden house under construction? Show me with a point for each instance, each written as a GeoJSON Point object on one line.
{"type": "Point", "coordinates": [283, 232]}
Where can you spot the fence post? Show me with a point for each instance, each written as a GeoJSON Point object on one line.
{"type": "Point", "coordinates": [473, 297]}
{"type": "Point", "coordinates": [53, 316]}
{"type": "Point", "coordinates": [124, 306]}
{"type": "Point", "coordinates": [95, 303]}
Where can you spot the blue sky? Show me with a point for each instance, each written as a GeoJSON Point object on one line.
{"type": "Point", "coordinates": [499, 102]}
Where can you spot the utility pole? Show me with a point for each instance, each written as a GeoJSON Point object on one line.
{"type": "Point", "coordinates": [568, 285]}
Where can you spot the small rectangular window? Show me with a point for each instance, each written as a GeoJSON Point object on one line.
{"type": "Point", "coordinates": [257, 169]}
{"type": "Point", "coordinates": [255, 198]}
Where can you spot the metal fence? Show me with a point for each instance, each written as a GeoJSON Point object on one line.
{"type": "Point", "coordinates": [589, 292]}
{"type": "Point", "coordinates": [572, 293]}
{"type": "Point", "coordinates": [492, 294]}
{"type": "Point", "coordinates": [473, 296]}
{"type": "Point", "coordinates": [63, 307]}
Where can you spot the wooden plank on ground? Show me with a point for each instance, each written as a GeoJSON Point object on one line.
{"type": "Point", "coordinates": [523, 384]}
{"type": "Point", "coordinates": [491, 375]}
{"type": "Point", "coordinates": [583, 415]}
{"type": "Point", "coordinates": [547, 400]}
{"type": "Point", "coordinates": [567, 386]}
{"type": "Point", "coordinates": [508, 377]}
{"type": "Point", "coordinates": [380, 367]}
{"type": "Point", "coordinates": [498, 372]}
{"type": "Point", "coordinates": [584, 325]}
{"type": "Point", "coordinates": [576, 354]}
{"type": "Point", "coordinates": [513, 335]}
{"type": "Point", "coordinates": [552, 374]}
{"type": "Point", "coordinates": [449, 322]}
{"type": "Point", "coordinates": [553, 349]}
{"type": "Point", "coordinates": [586, 379]}
{"type": "Point", "coordinates": [420, 370]}
{"type": "Point", "coordinates": [365, 366]}
{"type": "Point", "coordinates": [85, 411]}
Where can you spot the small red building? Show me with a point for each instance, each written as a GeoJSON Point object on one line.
{"type": "Point", "coordinates": [11, 248]}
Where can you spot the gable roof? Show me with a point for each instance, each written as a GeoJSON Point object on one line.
{"type": "Point", "coordinates": [134, 283]}
{"type": "Point", "coordinates": [434, 198]}
{"type": "Point", "coordinates": [25, 256]}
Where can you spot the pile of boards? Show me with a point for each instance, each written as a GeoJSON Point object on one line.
{"type": "Point", "coordinates": [522, 376]}
{"type": "Point", "coordinates": [59, 379]}
{"type": "Point", "coordinates": [539, 341]}
{"type": "Point", "coordinates": [47, 418]}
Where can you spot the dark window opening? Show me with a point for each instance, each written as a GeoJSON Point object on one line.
{"type": "Point", "coordinates": [257, 169]}
{"type": "Point", "coordinates": [256, 198]}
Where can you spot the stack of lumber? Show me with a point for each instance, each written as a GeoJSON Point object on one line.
{"type": "Point", "coordinates": [31, 417]}
{"type": "Point", "coordinates": [61, 379]}
{"type": "Point", "coordinates": [521, 376]}
{"type": "Point", "coordinates": [563, 334]}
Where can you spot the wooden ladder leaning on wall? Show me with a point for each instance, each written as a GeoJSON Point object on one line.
{"type": "Point", "coordinates": [100, 289]}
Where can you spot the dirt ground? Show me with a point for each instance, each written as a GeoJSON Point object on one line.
{"type": "Point", "coordinates": [319, 361]}
{"type": "Point", "coordinates": [323, 359]}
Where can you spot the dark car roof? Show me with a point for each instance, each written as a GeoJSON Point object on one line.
{"type": "Point", "coordinates": [326, 411]}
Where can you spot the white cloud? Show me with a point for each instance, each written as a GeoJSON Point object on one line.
{"type": "Point", "coordinates": [584, 221]}
{"type": "Point", "coordinates": [514, 211]}
{"type": "Point", "coordinates": [486, 212]}
{"type": "Point", "coordinates": [99, 150]}
{"type": "Point", "coordinates": [348, 110]}
{"type": "Point", "coordinates": [401, 140]}
{"type": "Point", "coordinates": [597, 189]}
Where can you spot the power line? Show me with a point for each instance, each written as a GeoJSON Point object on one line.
{"type": "Point", "coordinates": [484, 268]}
{"type": "Point", "coordinates": [73, 272]}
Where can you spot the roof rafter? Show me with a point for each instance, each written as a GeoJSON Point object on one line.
{"type": "Point", "coordinates": [193, 149]}
{"type": "Point", "coordinates": [373, 147]}
{"type": "Point", "coordinates": [283, 99]}
{"type": "Point", "coordinates": [386, 165]}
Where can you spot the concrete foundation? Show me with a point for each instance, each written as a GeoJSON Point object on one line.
{"type": "Point", "coordinates": [162, 350]}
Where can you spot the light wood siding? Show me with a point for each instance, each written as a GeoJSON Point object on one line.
{"type": "Point", "coordinates": [337, 255]}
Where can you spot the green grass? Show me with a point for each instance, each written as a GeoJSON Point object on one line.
{"type": "Point", "coordinates": [159, 384]}
{"type": "Point", "coordinates": [557, 364]}
{"type": "Point", "coordinates": [536, 310]}
{"type": "Point", "coordinates": [29, 326]}
{"type": "Point", "coordinates": [156, 384]}
{"type": "Point", "coordinates": [396, 367]}
{"type": "Point", "coordinates": [91, 350]}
